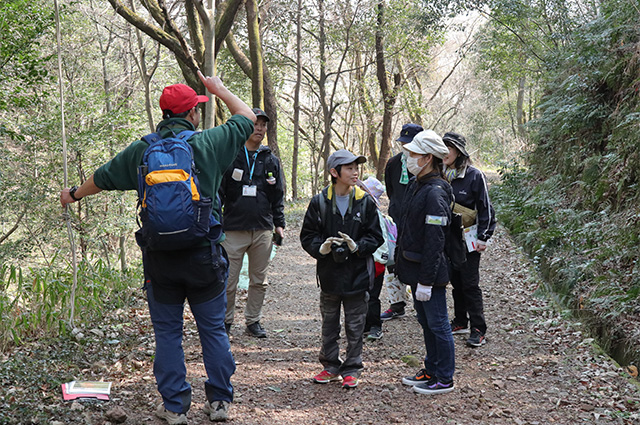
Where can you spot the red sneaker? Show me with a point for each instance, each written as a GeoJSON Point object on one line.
{"type": "Point", "coordinates": [349, 382]}
{"type": "Point", "coordinates": [325, 377]}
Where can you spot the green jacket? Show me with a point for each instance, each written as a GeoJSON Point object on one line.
{"type": "Point", "coordinates": [214, 150]}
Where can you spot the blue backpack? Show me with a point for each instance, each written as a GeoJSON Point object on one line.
{"type": "Point", "coordinates": [173, 213]}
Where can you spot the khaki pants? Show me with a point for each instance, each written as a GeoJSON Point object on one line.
{"type": "Point", "coordinates": [257, 244]}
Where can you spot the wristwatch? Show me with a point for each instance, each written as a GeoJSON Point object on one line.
{"type": "Point", "coordinates": [72, 193]}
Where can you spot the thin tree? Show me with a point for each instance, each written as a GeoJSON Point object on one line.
{"type": "Point", "coordinates": [296, 103]}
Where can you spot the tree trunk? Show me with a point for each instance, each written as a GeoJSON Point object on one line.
{"type": "Point", "coordinates": [255, 53]}
{"type": "Point", "coordinates": [326, 110]}
{"type": "Point", "coordinates": [520, 107]}
{"type": "Point", "coordinates": [364, 96]}
{"type": "Point", "coordinates": [389, 94]}
{"type": "Point", "coordinates": [270, 104]}
{"type": "Point", "coordinates": [145, 73]}
{"type": "Point", "coordinates": [296, 103]}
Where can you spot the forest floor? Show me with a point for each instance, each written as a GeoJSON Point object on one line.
{"type": "Point", "coordinates": [538, 366]}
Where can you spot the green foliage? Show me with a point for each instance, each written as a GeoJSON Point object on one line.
{"type": "Point", "coordinates": [588, 126]}
{"type": "Point", "coordinates": [589, 256]}
{"type": "Point", "coordinates": [575, 208]}
{"type": "Point", "coordinates": [36, 302]}
{"type": "Point", "coordinates": [23, 26]}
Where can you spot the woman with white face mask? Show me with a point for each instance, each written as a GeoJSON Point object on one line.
{"type": "Point", "coordinates": [421, 260]}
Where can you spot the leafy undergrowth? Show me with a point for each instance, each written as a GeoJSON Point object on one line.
{"type": "Point", "coordinates": [32, 373]}
{"type": "Point", "coordinates": [589, 257]}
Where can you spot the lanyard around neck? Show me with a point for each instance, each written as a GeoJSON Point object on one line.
{"type": "Point", "coordinates": [252, 166]}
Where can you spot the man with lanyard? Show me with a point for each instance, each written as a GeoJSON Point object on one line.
{"type": "Point", "coordinates": [252, 193]}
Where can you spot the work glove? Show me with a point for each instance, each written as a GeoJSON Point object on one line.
{"type": "Point", "coordinates": [353, 247]}
{"type": "Point", "coordinates": [423, 293]}
{"type": "Point", "coordinates": [325, 248]}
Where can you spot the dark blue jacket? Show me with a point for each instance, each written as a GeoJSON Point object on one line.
{"type": "Point", "coordinates": [470, 190]}
{"type": "Point", "coordinates": [266, 209]}
{"type": "Point", "coordinates": [357, 273]}
{"type": "Point", "coordinates": [426, 214]}
{"type": "Point", "coordinates": [395, 189]}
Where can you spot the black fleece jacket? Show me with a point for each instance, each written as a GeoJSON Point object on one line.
{"type": "Point", "coordinates": [361, 223]}
{"type": "Point", "coordinates": [260, 212]}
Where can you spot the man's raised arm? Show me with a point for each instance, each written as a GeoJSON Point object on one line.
{"type": "Point", "coordinates": [233, 102]}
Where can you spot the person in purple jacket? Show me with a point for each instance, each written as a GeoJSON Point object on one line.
{"type": "Point", "coordinates": [470, 190]}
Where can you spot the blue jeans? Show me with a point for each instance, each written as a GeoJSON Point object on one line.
{"type": "Point", "coordinates": [169, 367]}
{"type": "Point", "coordinates": [433, 317]}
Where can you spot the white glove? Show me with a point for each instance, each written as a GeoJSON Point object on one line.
{"type": "Point", "coordinates": [423, 293]}
{"type": "Point", "coordinates": [325, 248]}
{"type": "Point", "coordinates": [353, 247]}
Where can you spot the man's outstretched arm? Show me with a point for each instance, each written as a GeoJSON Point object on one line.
{"type": "Point", "coordinates": [86, 189]}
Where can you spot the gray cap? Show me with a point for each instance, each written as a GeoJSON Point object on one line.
{"type": "Point", "coordinates": [260, 113]}
{"type": "Point", "coordinates": [342, 157]}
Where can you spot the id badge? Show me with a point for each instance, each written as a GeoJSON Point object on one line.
{"type": "Point", "coordinates": [249, 190]}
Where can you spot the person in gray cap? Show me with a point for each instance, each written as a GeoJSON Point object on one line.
{"type": "Point", "coordinates": [422, 261]}
{"type": "Point", "coordinates": [396, 179]}
{"type": "Point", "coordinates": [341, 230]}
{"type": "Point", "coordinates": [472, 201]}
{"type": "Point", "coordinates": [252, 193]}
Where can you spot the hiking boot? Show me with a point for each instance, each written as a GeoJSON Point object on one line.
{"type": "Point", "coordinates": [375, 334]}
{"type": "Point", "coordinates": [172, 418]}
{"type": "Point", "coordinates": [419, 378]}
{"type": "Point", "coordinates": [476, 339]}
{"type": "Point", "coordinates": [325, 377]}
{"type": "Point", "coordinates": [218, 411]}
{"type": "Point", "coordinates": [349, 382]}
{"type": "Point", "coordinates": [390, 314]}
{"type": "Point", "coordinates": [256, 329]}
{"type": "Point", "coordinates": [433, 386]}
{"type": "Point", "coordinates": [458, 329]}
{"type": "Point", "coordinates": [227, 328]}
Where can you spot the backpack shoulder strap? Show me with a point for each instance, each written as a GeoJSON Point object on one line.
{"type": "Point", "coordinates": [186, 134]}
{"type": "Point", "coordinates": [151, 138]}
{"type": "Point", "coordinates": [323, 209]}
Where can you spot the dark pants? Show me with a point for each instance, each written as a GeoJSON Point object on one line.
{"type": "Point", "coordinates": [355, 312]}
{"type": "Point", "coordinates": [373, 312]}
{"type": "Point", "coordinates": [198, 275]}
{"type": "Point", "coordinates": [467, 295]}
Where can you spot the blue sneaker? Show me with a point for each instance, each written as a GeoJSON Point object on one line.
{"type": "Point", "coordinates": [434, 386]}
{"type": "Point", "coordinates": [390, 314]}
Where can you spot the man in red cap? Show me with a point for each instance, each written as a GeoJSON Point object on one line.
{"type": "Point", "coordinates": [179, 99]}
{"type": "Point", "coordinates": [197, 273]}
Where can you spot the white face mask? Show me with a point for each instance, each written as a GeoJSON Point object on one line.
{"type": "Point", "coordinates": [413, 167]}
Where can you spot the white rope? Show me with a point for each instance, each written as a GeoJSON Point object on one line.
{"type": "Point", "coordinates": [66, 215]}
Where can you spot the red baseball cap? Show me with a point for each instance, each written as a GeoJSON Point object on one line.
{"type": "Point", "coordinates": [179, 98]}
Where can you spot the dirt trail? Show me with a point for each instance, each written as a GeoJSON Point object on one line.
{"type": "Point", "coordinates": [538, 366]}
